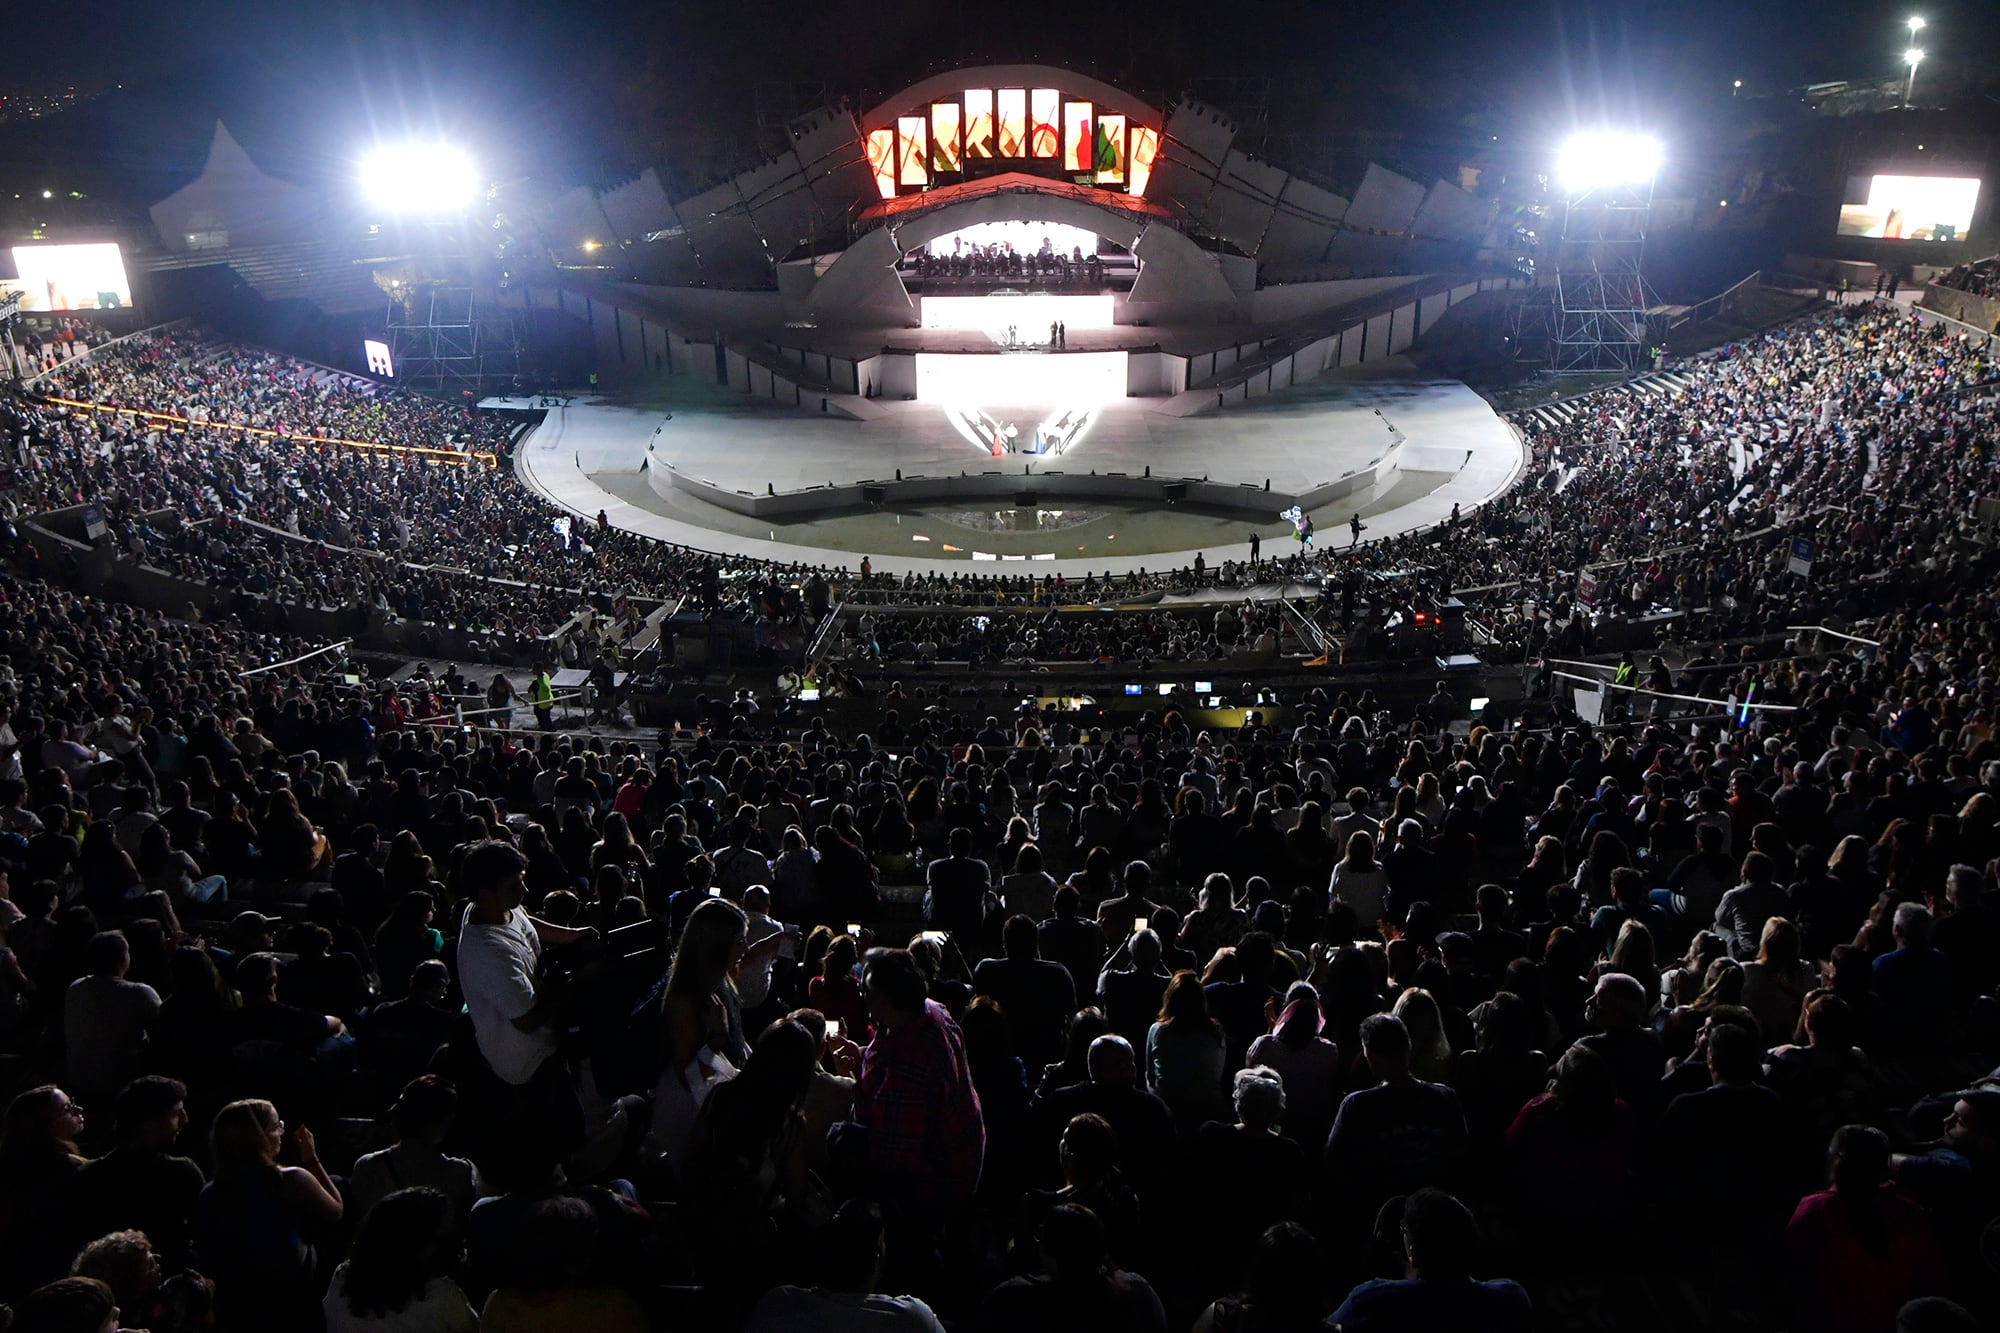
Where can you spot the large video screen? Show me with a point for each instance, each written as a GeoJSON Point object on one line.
{"type": "Point", "coordinates": [71, 277]}
{"type": "Point", "coordinates": [1908, 208]}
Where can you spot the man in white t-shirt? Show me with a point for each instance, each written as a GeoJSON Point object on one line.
{"type": "Point", "coordinates": [768, 939]}
{"type": "Point", "coordinates": [499, 948]}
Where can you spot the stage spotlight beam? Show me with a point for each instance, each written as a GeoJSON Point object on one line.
{"type": "Point", "coordinates": [420, 178]}
{"type": "Point", "coordinates": [1606, 159]}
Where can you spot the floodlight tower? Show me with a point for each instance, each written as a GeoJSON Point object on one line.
{"type": "Point", "coordinates": [1601, 297]}
{"type": "Point", "coordinates": [445, 330]}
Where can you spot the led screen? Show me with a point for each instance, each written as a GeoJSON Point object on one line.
{"type": "Point", "coordinates": [1077, 144]}
{"type": "Point", "coordinates": [1110, 150]}
{"type": "Point", "coordinates": [944, 136]}
{"type": "Point", "coordinates": [72, 277]}
{"type": "Point", "coordinates": [1908, 208]}
{"type": "Point", "coordinates": [1013, 122]}
{"type": "Point", "coordinates": [882, 160]}
{"type": "Point", "coordinates": [910, 150]}
{"type": "Point", "coordinates": [979, 122]}
{"type": "Point", "coordinates": [377, 354]}
{"type": "Point", "coordinates": [1145, 147]}
{"type": "Point", "coordinates": [1043, 106]}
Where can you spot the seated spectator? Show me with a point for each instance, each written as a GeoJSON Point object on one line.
{"type": "Point", "coordinates": [1399, 1135]}
{"type": "Point", "coordinates": [39, 1165]}
{"type": "Point", "coordinates": [1440, 1243]}
{"type": "Point", "coordinates": [106, 1019]}
{"type": "Point", "coordinates": [1281, 1291]}
{"type": "Point", "coordinates": [1187, 1054]}
{"type": "Point", "coordinates": [258, 1226]}
{"type": "Point", "coordinates": [422, 1116]}
{"type": "Point", "coordinates": [847, 1255]}
{"type": "Point", "coordinates": [1079, 1289]}
{"type": "Point", "coordinates": [1859, 1250]}
{"type": "Point", "coordinates": [1141, 1120]}
{"type": "Point", "coordinates": [142, 1184]}
{"type": "Point", "coordinates": [124, 1262]}
{"type": "Point", "coordinates": [398, 1273]}
{"type": "Point", "coordinates": [550, 1276]}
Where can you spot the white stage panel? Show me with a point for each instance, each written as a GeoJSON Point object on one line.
{"type": "Point", "coordinates": [1030, 315]}
{"type": "Point", "coordinates": [1072, 379]}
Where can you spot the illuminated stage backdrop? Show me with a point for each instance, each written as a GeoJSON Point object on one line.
{"type": "Point", "coordinates": [1014, 122]}
{"type": "Point", "coordinates": [1077, 144]}
{"type": "Point", "coordinates": [1043, 105]}
{"type": "Point", "coordinates": [979, 122]}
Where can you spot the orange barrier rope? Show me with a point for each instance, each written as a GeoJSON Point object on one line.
{"type": "Point", "coordinates": [452, 455]}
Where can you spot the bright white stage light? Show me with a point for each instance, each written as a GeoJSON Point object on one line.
{"type": "Point", "coordinates": [419, 178]}
{"type": "Point", "coordinates": [1602, 159]}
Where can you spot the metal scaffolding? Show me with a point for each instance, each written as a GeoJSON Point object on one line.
{"type": "Point", "coordinates": [445, 339]}
{"type": "Point", "coordinates": [1601, 298]}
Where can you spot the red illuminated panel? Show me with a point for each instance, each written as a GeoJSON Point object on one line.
{"type": "Point", "coordinates": [1013, 122]}
{"type": "Point", "coordinates": [1043, 105]}
{"type": "Point", "coordinates": [1078, 148]}
{"type": "Point", "coordinates": [882, 160]}
{"type": "Point", "coordinates": [910, 151]}
{"type": "Point", "coordinates": [1110, 150]}
{"type": "Point", "coordinates": [1145, 147]}
{"type": "Point", "coordinates": [944, 136]}
{"type": "Point", "coordinates": [979, 122]}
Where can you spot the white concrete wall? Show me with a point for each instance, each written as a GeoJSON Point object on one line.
{"type": "Point", "coordinates": [1376, 345]}
{"type": "Point", "coordinates": [1296, 300]}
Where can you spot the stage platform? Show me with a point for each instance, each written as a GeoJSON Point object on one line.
{"type": "Point", "coordinates": [1396, 444]}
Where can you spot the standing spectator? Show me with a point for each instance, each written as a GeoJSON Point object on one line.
{"type": "Point", "coordinates": [1187, 1054]}
{"type": "Point", "coordinates": [915, 1101]}
{"type": "Point", "coordinates": [1036, 997]}
{"type": "Point", "coordinates": [512, 1004]}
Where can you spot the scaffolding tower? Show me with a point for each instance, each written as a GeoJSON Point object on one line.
{"type": "Point", "coordinates": [445, 338]}
{"type": "Point", "coordinates": [1599, 317]}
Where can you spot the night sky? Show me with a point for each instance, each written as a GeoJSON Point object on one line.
{"type": "Point", "coordinates": [577, 92]}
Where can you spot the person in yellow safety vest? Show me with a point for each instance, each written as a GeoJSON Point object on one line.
{"type": "Point", "coordinates": [542, 698]}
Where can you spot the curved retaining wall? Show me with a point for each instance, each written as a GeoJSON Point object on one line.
{"type": "Point", "coordinates": [1006, 487]}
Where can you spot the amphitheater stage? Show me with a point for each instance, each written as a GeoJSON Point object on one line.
{"type": "Point", "coordinates": [914, 484]}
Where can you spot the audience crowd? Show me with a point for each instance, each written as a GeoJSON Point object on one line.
{"type": "Point", "coordinates": [1980, 277]}
{"type": "Point", "coordinates": [315, 1018]}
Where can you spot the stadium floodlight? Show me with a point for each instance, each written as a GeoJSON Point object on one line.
{"type": "Point", "coordinates": [1603, 159]}
{"type": "Point", "coordinates": [1911, 57]}
{"type": "Point", "coordinates": [1915, 23]}
{"type": "Point", "coordinates": [419, 178]}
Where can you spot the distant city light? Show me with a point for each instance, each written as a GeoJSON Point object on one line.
{"type": "Point", "coordinates": [1604, 158]}
{"type": "Point", "coordinates": [419, 178]}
